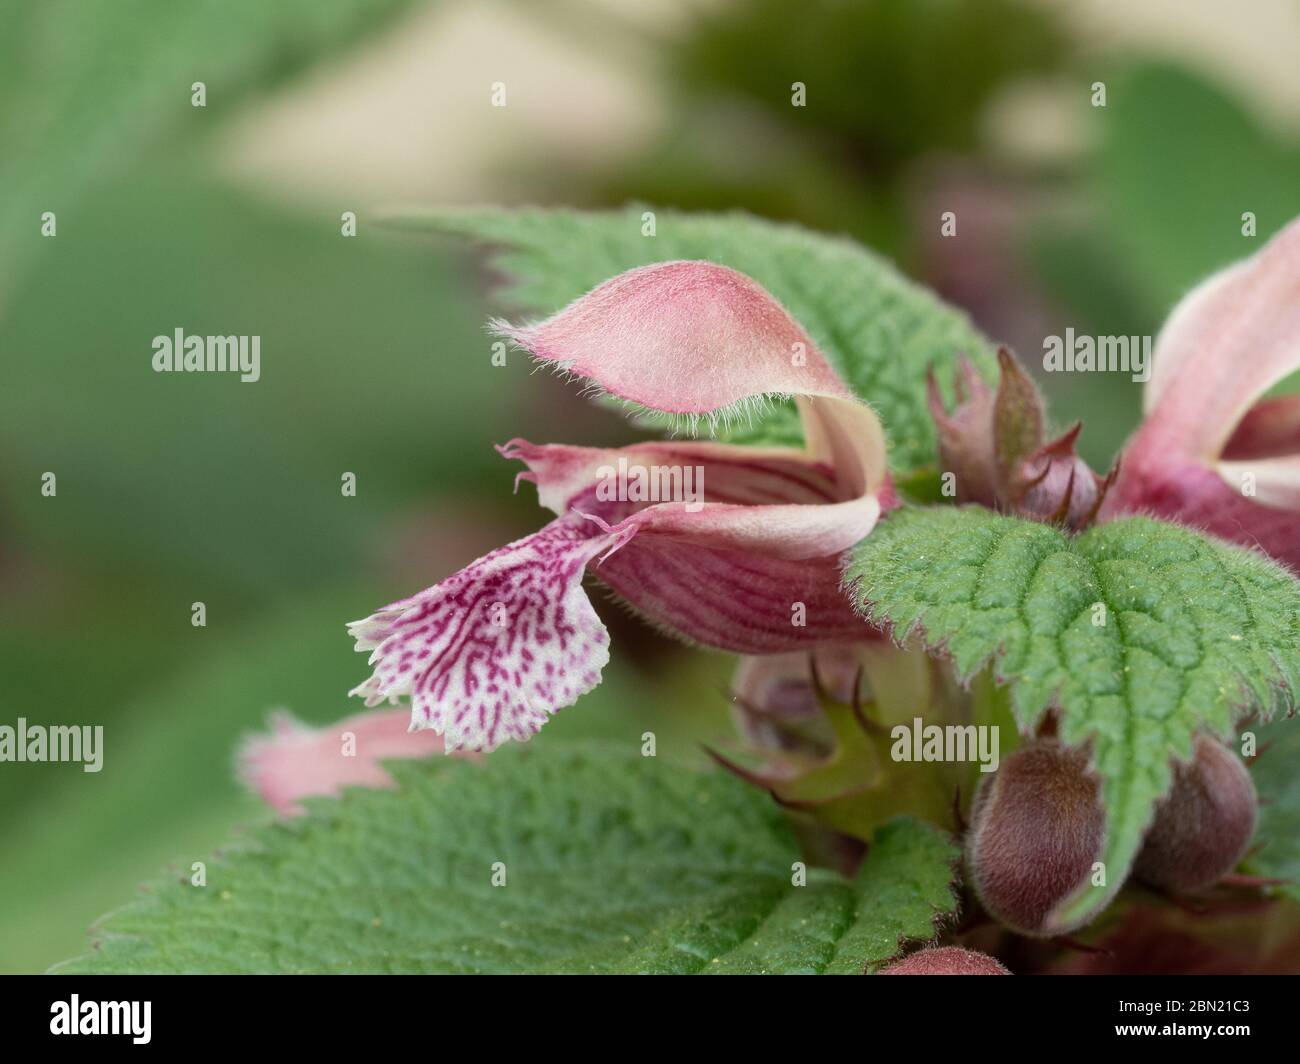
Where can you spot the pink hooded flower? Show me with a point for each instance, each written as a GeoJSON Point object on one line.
{"type": "Point", "coordinates": [1213, 453]}
{"type": "Point", "coordinates": [732, 547]}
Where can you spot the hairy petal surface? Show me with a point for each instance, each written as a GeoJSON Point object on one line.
{"type": "Point", "coordinates": [696, 338]}
{"type": "Point", "coordinates": [1231, 338]}
{"type": "Point", "coordinates": [682, 338]}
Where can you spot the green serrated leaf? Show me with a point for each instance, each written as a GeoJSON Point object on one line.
{"type": "Point", "coordinates": [903, 889]}
{"type": "Point", "coordinates": [1142, 632]}
{"type": "Point", "coordinates": [612, 863]}
{"type": "Point", "coordinates": [88, 85]}
{"type": "Point", "coordinates": [880, 330]}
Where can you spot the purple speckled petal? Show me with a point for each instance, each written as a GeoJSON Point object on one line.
{"type": "Point", "coordinates": [489, 653]}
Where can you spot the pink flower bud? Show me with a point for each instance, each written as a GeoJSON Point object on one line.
{"type": "Point", "coordinates": [1036, 830]}
{"type": "Point", "coordinates": [993, 444]}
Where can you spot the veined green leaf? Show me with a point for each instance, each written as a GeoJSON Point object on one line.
{"type": "Point", "coordinates": [1142, 633]}
{"type": "Point", "coordinates": [576, 858]}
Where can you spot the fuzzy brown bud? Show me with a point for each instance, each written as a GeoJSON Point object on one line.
{"type": "Point", "coordinates": [1203, 825]}
{"type": "Point", "coordinates": [1036, 831]}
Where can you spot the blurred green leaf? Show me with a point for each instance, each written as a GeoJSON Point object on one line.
{"type": "Point", "coordinates": [166, 788]}
{"type": "Point", "coordinates": [769, 171]}
{"type": "Point", "coordinates": [373, 362]}
{"type": "Point", "coordinates": [1076, 265]}
{"type": "Point", "coordinates": [86, 86]}
{"type": "Point", "coordinates": [1179, 161]}
{"type": "Point", "coordinates": [886, 80]}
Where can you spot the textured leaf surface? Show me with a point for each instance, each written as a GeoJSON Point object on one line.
{"type": "Point", "coordinates": [613, 863]}
{"type": "Point", "coordinates": [1193, 631]}
{"type": "Point", "coordinates": [902, 891]}
{"type": "Point", "coordinates": [878, 329]}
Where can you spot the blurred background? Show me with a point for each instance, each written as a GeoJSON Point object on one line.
{"type": "Point", "coordinates": [174, 489]}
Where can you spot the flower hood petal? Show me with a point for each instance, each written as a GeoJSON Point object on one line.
{"type": "Point", "coordinates": [683, 338]}
{"type": "Point", "coordinates": [699, 339]}
{"type": "Point", "coordinates": [1228, 342]}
